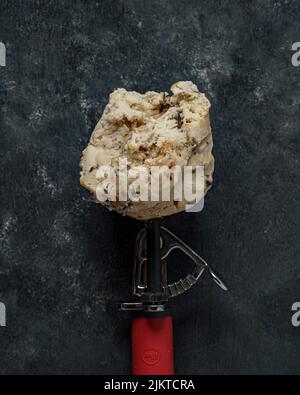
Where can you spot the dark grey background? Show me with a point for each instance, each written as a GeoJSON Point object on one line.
{"type": "Point", "coordinates": [65, 261]}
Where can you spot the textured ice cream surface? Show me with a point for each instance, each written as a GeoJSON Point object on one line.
{"type": "Point", "coordinates": [151, 129]}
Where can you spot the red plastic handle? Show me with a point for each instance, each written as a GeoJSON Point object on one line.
{"type": "Point", "coordinates": [152, 346]}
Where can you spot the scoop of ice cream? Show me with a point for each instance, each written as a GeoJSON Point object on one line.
{"type": "Point", "coordinates": [151, 130]}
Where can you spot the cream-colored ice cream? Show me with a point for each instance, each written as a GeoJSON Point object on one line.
{"type": "Point", "coordinates": [152, 129]}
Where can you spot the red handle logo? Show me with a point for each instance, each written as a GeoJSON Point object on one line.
{"type": "Point", "coordinates": [151, 357]}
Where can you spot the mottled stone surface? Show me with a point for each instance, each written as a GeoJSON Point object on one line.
{"type": "Point", "coordinates": [64, 261]}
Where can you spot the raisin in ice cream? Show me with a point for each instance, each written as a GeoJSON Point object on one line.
{"type": "Point", "coordinates": [150, 130]}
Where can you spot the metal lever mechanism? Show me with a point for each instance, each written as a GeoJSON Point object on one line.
{"type": "Point", "coordinates": [157, 300]}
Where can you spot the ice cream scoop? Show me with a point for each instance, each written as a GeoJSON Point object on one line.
{"type": "Point", "coordinates": [148, 132]}
{"type": "Point", "coordinates": [151, 130]}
